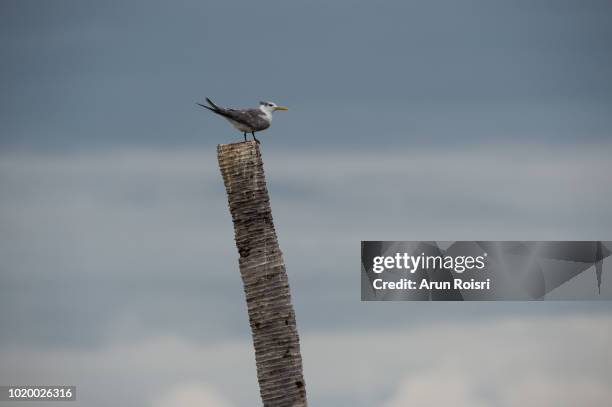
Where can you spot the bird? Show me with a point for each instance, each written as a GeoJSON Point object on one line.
{"type": "Point", "coordinates": [246, 120]}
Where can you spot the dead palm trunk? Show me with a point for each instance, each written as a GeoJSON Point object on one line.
{"type": "Point", "coordinates": [271, 315]}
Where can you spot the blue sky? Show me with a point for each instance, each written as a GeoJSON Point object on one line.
{"type": "Point", "coordinates": [438, 120]}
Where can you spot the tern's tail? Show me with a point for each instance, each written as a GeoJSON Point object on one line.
{"type": "Point", "coordinates": [213, 108]}
{"type": "Point", "coordinates": [212, 104]}
{"type": "Point", "coordinates": [209, 108]}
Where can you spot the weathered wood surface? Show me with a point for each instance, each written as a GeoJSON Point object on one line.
{"type": "Point", "coordinates": [271, 315]}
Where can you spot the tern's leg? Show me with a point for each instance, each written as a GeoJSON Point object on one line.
{"type": "Point", "coordinates": [254, 138]}
{"type": "Point", "coordinates": [245, 136]}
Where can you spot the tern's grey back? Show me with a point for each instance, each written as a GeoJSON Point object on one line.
{"type": "Point", "coordinates": [253, 118]}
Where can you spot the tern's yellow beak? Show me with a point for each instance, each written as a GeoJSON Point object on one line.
{"type": "Point", "coordinates": [281, 108]}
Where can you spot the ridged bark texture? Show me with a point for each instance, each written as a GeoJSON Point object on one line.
{"type": "Point", "coordinates": [271, 315]}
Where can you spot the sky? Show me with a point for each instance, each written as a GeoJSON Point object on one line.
{"type": "Point", "coordinates": [438, 120]}
{"type": "Point", "coordinates": [83, 75]}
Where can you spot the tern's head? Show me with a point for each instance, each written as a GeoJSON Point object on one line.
{"type": "Point", "coordinates": [269, 107]}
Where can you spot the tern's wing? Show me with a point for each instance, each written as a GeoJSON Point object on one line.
{"type": "Point", "coordinates": [245, 116]}
{"type": "Point", "coordinates": [249, 117]}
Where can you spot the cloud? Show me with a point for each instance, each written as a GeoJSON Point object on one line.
{"type": "Point", "coordinates": [444, 388]}
{"type": "Point", "coordinates": [555, 361]}
{"type": "Point", "coordinates": [435, 390]}
{"type": "Point", "coordinates": [480, 361]}
{"type": "Point", "coordinates": [555, 391]}
{"type": "Point", "coordinates": [152, 228]}
{"type": "Point", "coordinates": [192, 395]}
{"type": "Point", "coordinates": [164, 369]}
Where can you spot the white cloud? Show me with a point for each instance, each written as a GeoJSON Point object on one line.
{"type": "Point", "coordinates": [471, 387]}
{"type": "Point", "coordinates": [470, 362]}
{"type": "Point", "coordinates": [558, 361]}
{"type": "Point", "coordinates": [436, 390]}
{"type": "Point", "coordinates": [556, 390]}
{"type": "Point", "coordinates": [164, 369]}
{"type": "Point", "coordinates": [117, 219]}
{"type": "Point", "coordinates": [191, 395]}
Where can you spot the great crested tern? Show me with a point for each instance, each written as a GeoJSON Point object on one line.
{"type": "Point", "coordinates": [247, 120]}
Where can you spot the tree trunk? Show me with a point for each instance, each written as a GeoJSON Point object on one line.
{"type": "Point", "coordinates": [271, 315]}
